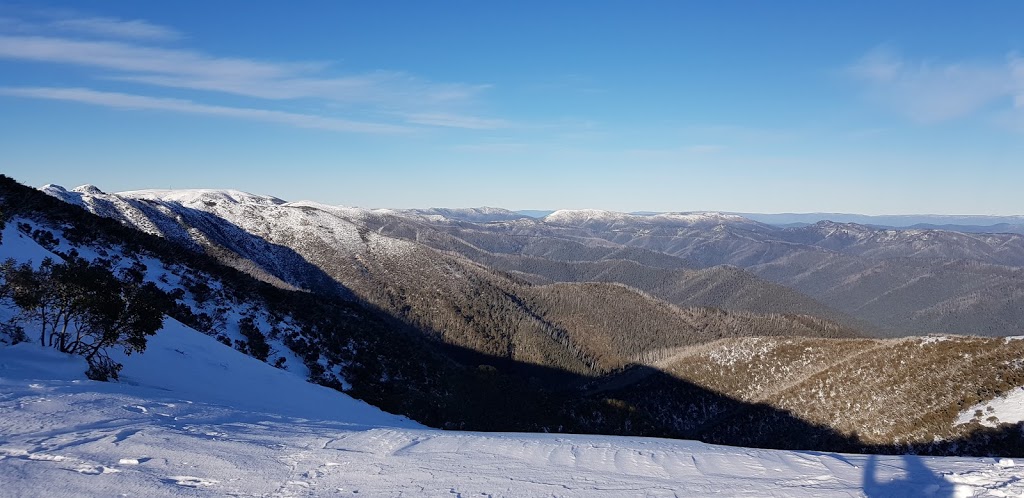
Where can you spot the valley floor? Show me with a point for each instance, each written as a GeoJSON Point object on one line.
{"type": "Point", "coordinates": [180, 424]}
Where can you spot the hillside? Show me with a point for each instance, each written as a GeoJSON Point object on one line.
{"type": "Point", "coordinates": [870, 392]}
{"type": "Point", "coordinates": [617, 325]}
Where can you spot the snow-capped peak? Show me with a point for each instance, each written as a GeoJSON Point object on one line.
{"type": "Point", "coordinates": [88, 189]}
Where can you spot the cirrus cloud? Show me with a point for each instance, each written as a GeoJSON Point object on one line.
{"type": "Point", "coordinates": [396, 100]}
{"type": "Point", "coordinates": [126, 101]}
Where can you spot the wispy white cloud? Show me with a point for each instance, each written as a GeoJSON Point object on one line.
{"type": "Point", "coordinates": [218, 72]}
{"type": "Point", "coordinates": [140, 102]}
{"type": "Point", "coordinates": [378, 87]}
{"type": "Point", "coordinates": [930, 91]}
{"type": "Point", "coordinates": [125, 56]}
{"type": "Point", "coordinates": [186, 69]}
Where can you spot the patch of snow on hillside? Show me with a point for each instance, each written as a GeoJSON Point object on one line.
{"type": "Point", "coordinates": [934, 339]}
{"type": "Point", "coordinates": [743, 351]}
{"type": "Point", "coordinates": [1007, 409]}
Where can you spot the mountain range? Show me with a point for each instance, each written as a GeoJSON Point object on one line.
{"type": "Point", "coordinates": [887, 281]}
{"type": "Point", "coordinates": [957, 223]}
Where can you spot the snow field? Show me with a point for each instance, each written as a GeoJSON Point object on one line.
{"type": "Point", "coordinates": [192, 417]}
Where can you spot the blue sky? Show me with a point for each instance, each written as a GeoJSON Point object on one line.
{"type": "Point", "coordinates": [782, 106]}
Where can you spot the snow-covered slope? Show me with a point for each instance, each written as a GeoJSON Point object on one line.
{"type": "Point", "coordinates": [193, 418]}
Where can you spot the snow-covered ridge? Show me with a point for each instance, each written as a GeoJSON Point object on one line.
{"type": "Point", "coordinates": [194, 196]}
{"type": "Point", "coordinates": [79, 195]}
{"type": "Point", "coordinates": [700, 217]}
{"type": "Point", "coordinates": [580, 216]}
{"type": "Point", "coordinates": [477, 215]}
